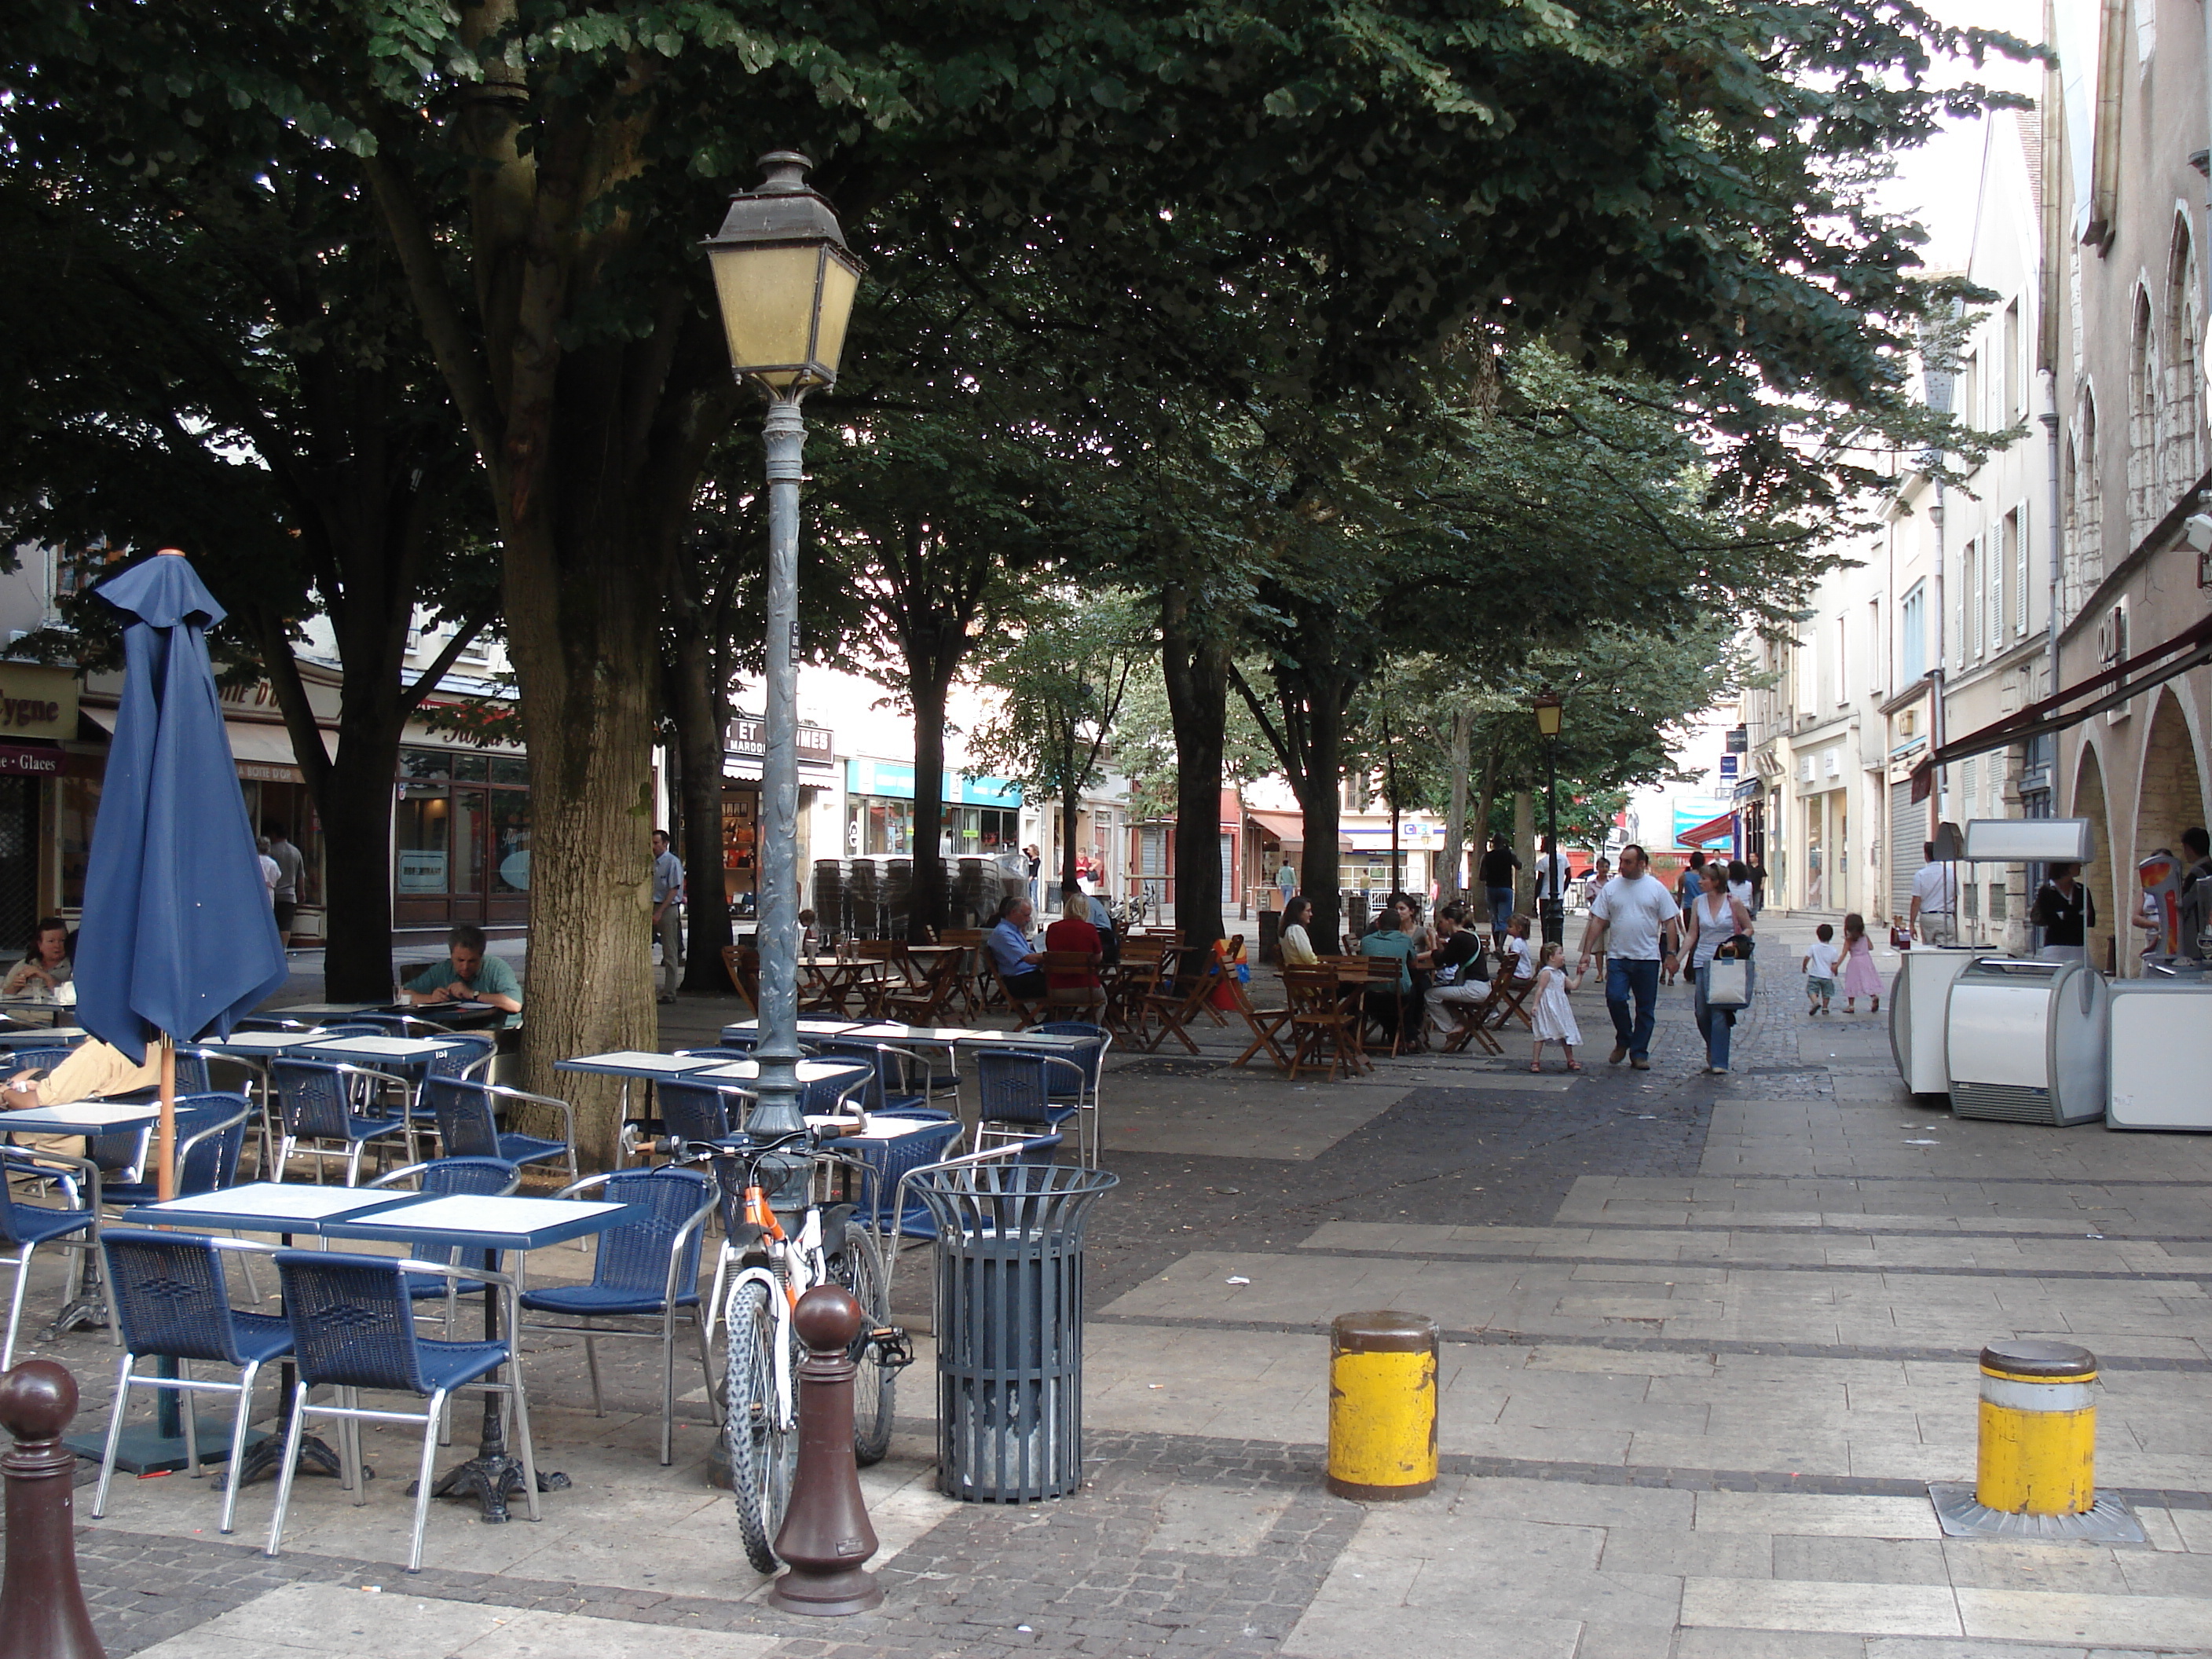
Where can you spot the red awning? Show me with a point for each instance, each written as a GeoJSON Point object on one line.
{"type": "Point", "coordinates": [1290, 829]}
{"type": "Point", "coordinates": [1720, 829]}
{"type": "Point", "coordinates": [2183, 652]}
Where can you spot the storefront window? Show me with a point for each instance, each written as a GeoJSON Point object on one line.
{"type": "Point", "coordinates": [879, 826]}
{"type": "Point", "coordinates": [510, 839]}
{"type": "Point", "coordinates": [420, 839]}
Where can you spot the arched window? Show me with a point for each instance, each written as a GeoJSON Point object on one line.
{"type": "Point", "coordinates": [2085, 544]}
{"type": "Point", "coordinates": [2144, 392]}
{"type": "Point", "coordinates": [2182, 448]}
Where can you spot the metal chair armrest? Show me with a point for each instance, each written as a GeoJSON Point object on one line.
{"type": "Point", "coordinates": [83, 1166]}
{"type": "Point", "coordinates": [567, 1112]}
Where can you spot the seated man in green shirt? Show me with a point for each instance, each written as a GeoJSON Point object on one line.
{"type": "Point", "coordinates": [468, 975]}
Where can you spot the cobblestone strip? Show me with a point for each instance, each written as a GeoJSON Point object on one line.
{"type": "Point", "coordinates": [1074, 1577]}
{"type": "Point", "coordinates": [2179, 1272]}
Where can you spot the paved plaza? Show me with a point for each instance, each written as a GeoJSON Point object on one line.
{"type": "Point", "coordinates": [1706, 1340]}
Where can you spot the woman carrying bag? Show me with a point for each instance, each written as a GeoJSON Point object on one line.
{"type": "Point", "coordinates": [1720, 932]}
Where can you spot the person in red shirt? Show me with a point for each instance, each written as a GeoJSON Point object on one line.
{"type": "Point", "coordinates": [1074, 932]}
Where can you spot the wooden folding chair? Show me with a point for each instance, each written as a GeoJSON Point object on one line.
{"type": "Point", "coordinates": [1027, 1011]}
{"type": "Point", "coordinates": [1062, 1000]}
{"type": "Point", "coordinates": [1177, 1007]}
{"type": "Point", "coordinates": [1509, 995]}
{"type": "Point", "coordinates": [1267, 1024]}
{"type": "Point", "coordinates": [931, 1003]}
{"type": "Point", "coordinates": [1475, 1022]}
{"type": "Point", "coordinates": [742, 963]}
{"type": "Point", "coordinates": [1317, 1021]}
{"type": "Point", "coordinates": [1143, 961]}
{"type": "Point", "coordinates": [969, 981]}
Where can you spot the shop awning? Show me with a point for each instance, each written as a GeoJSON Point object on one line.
{"type": "Point", "coordinates": [1290, 829]}
{"type": "Point", "coordinates": [2107, 690]}
{"type": "Point", "coordinates": [264, 753]}
{"type": "Point", "coordinates": [1712, 830]}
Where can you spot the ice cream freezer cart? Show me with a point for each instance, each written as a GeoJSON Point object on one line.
{"type": "Point", "coordinates": [2025, 1041]}
{"type": "Point", "coordinates": [2158, 1060]}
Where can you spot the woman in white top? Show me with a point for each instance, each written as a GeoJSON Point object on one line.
{"type": "Point", "coordinates": [1298, 949]}
{"type": "Point", "coordinates": [1717, 915]}
{"type": "Point", "coordinates": [1739, 884]}
{"type": "Point", "coordinates": [46, 968]}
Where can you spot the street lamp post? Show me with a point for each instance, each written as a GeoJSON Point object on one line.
{"type": "Point", "coordinates": [1550, 907]}
{"type": "Point", "coordinates": [785, 282]}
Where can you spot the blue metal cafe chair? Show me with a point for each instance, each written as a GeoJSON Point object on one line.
{"type": "Point", "coordinates": [25, 1227]}
{"type": "Point", "coordinates": [172, 1303]}
{"type": "Point", "coordinates": [647, 1270]}
{"type": "Point", "coordinates": [468, 1123]}
{"type": "Point", "coordinates": [324, 1105]}
{"type": "Point", "coordinates": [352, 1328]}
{"type": "Point", "coordinates": [1020, 1095]}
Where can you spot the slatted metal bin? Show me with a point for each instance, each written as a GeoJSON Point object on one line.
{"type": "Point", "coordinates": [1009, 1324]}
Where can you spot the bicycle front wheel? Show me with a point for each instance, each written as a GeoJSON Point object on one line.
{"type": "Point", "coordinates": [854, 1267]}
{"type": "Point", "coordinates": [754, 1424]}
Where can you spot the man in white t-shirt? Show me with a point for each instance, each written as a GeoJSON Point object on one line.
{"type": "Point", "coordinates": [1936, 899]}
{"type": "Point", "coordinates": [1633, 924]}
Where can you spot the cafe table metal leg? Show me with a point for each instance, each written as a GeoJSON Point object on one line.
{"type": "Point", "coordinates": [264, 1456]}
{"type": "Point", "coordinates": [492, 1474]}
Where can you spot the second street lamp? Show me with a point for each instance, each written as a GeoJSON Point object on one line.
{"type": "Point", "coordinates": [1550, 714]}
{"type": "Point", "coordinates": [785, 281]}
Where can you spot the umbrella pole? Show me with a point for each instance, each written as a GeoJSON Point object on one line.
{"type": "Point", "coordinates": [165, 1144]}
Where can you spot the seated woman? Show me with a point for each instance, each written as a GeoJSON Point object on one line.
{"type": "Point", "coordinates": [1392, 936]}
{"type": "Point", "coordinates": [46, 968]}
{"type": "Point", "coordinates": [1297, 945]}
{"type": "Point", "coordinates": [1074, 932]}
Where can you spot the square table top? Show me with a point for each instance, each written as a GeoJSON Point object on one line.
{"type": "Point", "coordinates": [480, 1224]}
{"type": "Point", "coordinates": [636, 1062]}
{"type": "Point", "coordinates": [750, 1028]}
{"type": "Point", "coordinates": [81, 1117]}
{"type": "Point", "coordinates": [380, 1048]}
{"type": "Point", "coordinates": [327, 1010]}
{"type": "Point", "coordinates": [810, 1071]}
{"type": "Point", "coordinates": [959, 1037]}
{"type": "Point", "coordinates": [270, 1206]}
{"type": "Point", "coordinates": [39, 1036]}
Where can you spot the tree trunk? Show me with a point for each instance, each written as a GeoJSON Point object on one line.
{"type": "Point", "coordinates": [1071, 807]}
{"type": "Point", "coordinates": [1320, 803]}
{"type": "Point", "coordinates": [356, 806]}
{"type": "Point", "coordinates": [1484, 806]}
{"type": "Point", "coordinates": [696, 710]}
{"type": "Point", "coordinates": [928, 691]}
{"type": "Point", "coordinates": [1524, 835]}
{"type": "Point", "coordinates": [1455, 820]}
{"type": "Point", "coordinates": [1196, 671]}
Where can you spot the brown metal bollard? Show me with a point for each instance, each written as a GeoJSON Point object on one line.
{"type": "Point", "coordinates": [42, 1613]}
{"type": "Point", "coordinates": [826, 1539]}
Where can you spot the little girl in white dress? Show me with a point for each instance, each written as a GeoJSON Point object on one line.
{"type": "Point", "coordinates": [1554, 1019]}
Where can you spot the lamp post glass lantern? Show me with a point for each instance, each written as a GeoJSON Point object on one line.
{"type": "Point", "coordinates": [785, 282]}
{"type": "Point", "coordinates": [1550, 714]}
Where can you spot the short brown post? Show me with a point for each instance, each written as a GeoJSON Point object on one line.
{"type": "Point", "coordinates": [826, 1539]}
{"type": "Point", "coordinates": [42, 1613]}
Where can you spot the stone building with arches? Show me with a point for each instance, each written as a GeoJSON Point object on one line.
{"type": "Point", "coordinates": [2124, 266]}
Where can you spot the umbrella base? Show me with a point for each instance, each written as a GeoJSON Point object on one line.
{"type": "Point", "coordinates": [267, 1455]}
{"type": "Point", "coordinates": [146, 1450]}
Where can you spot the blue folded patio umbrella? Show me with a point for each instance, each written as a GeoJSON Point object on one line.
{"type": "Point", "coordinates": [178, 939]}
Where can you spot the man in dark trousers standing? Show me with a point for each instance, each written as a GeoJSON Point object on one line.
{"type": "Point", "coordinates": [1496, 874]}
{"type": "Point", "coordinates": [290, 865]}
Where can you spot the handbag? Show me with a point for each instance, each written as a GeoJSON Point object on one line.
{"type": "Point", "coordinates": [1727, 983]}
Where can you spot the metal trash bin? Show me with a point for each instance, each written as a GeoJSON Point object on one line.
{"type": "Point", "coordinates": [1009, 1324]}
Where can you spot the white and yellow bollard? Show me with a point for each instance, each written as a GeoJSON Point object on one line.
{"type": "Point", "coordinates": [2038, 1452]}
{"type": "Point", "coordinates": [1383, 1404]}
{"type": "Point", "coordinates": [2035, 1469]}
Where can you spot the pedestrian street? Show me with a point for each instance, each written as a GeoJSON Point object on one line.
{"type": "Point", "coordinates": [1705, 1341]}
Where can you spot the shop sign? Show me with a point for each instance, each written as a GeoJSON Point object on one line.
{"type": "Point", "coordinates": [30, 763]}
{"type": "Point", "coordinates": [37, 701]}
{"type": "Point", "coordinates": [420, 871]}
{"type": "Point", "coordinates": [985, 792]}
{"type": "Point", "coordinates": [893, 778]}
{"type": "Point", "coordinates": [748, 735]}
{"type": "Point", "coordinates": [1727, 767]}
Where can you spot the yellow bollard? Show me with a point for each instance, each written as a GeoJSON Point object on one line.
{"type": "Point", "coordinates": [2038, 1429]}
{"type": "Point", "coordinates": [1383, 1404]}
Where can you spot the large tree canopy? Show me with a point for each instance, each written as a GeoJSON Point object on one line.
{"type": "Point", "coordinates": [1675, 187]}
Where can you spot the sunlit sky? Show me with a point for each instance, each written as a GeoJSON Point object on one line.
{"type": "Point", "coordinates": [1936, 183]}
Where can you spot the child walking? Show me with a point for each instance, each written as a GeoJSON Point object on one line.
{"type": "Point", "coordinates": [1861, 977]}
{"type": "Point", "coordinates": [1554, 1020]}
{"type": "Point", "coordinates": [1820, 966]}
